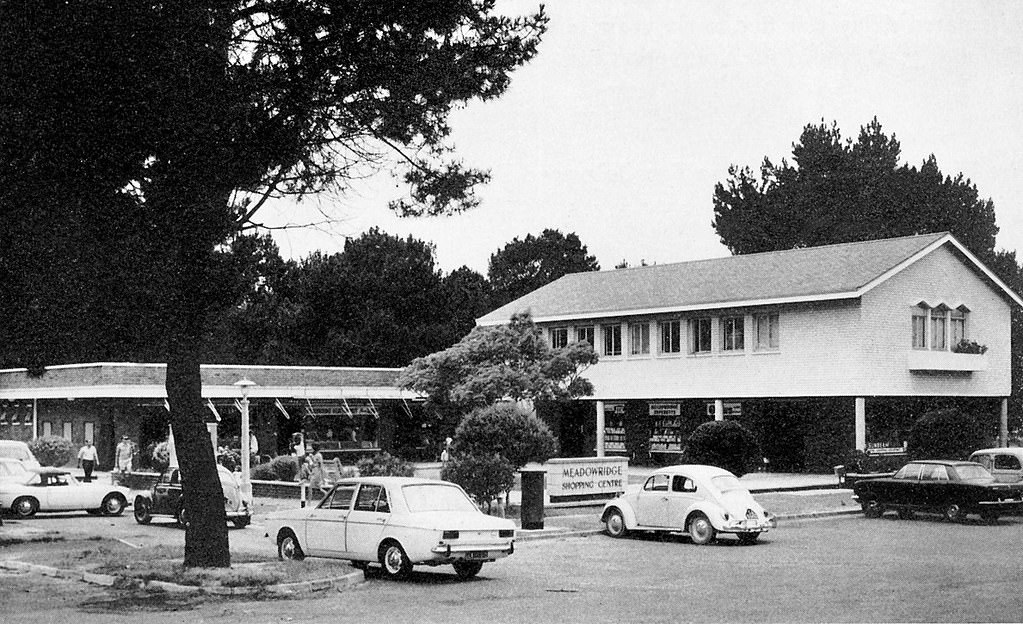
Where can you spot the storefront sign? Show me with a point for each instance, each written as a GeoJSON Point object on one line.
{"type": "Point", "coordinates": [885, 448]}
{"type": "Point", "coordinates": [587, 476]}
{"type": "Point", "coordinates": [665, 409]}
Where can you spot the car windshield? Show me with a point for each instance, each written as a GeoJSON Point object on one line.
{"type": "Point", "coordinates": [968, 472]}
{"type": "Point", "coordinates": [726, 483]}
{"type": "Point", "coordinates": [436, 497]}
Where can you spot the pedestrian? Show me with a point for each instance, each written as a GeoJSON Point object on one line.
{"type": "Point", "coordinates": [316, 475]}
{"type": "Point", "coordinates": [123, 455]}
{"type": "Point", "coordinates": [87, 459]}
{"type": "Point", "coordinates": [445, 455]}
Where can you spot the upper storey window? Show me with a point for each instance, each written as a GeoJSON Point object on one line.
{"type": "Point", "coordinates": [671, 336]}
{"type": "Point", "coordinates": [766, 328]}
{"type": "Point", "coordinates": [699, 335]}
{"type": "Point", "coordinates": [559, 337]}
{"type": "Point", "coordinates": [585, 334]}
{"type": "Point", "coordinates": [639, 338]}
{"type": "Point", "coordinates": [940, 328]}
{"type": "Point", "coordinates": [612, 335]}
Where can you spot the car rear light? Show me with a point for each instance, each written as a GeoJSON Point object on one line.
{"type": "Point", "coordinates": [449, 535]}
{"type": "Point", "coordinates": [506, 533]}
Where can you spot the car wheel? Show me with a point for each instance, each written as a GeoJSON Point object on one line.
{"type": "Point", "coordinates": [182, 517]}
{"type": "Point", "coordinates": [394, 561]}
{"type": "Point", "coordinates": [614, 524]}
{"type": "Point", "coordinates": [907, 514]}
{"type": "Point", "coordinates": [240, 523]}
{"type": "Point", "coordinates": [25, 507]}
{"type": "Point", "coordinates": [701, 531]}
{"type": "Point", "coordinates": [467, 569]}
{"type": "Point", "coordinates": [954, 513]}
{"type": "Point", "coordinates": [141, 511]}
{"type": "Point", "coordinates": [747, 539]}
{"type": "Point", "coordinates": [288, 547]}
{"type": "Point", "coordinates": [114, 504]}
{"type": "Point", "coordinates": [873, 508]}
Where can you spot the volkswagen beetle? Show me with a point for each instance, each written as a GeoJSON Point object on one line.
{"type": "Point", "coordinates": [699, 501]}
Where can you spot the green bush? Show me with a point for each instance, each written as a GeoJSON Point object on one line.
{"type": "Point", "coordinates": [725, 444]}
{"type": "Point", "coordinates": [945, 434]}
{"type": "Point", "coordinates": [508, 430]}
{"type": "Point", "coordinates": [53, 450]}
{"type": "Point", "coordinates": [484, 477]}
{"type": "Point", "coordinates": [280, 468]}
{"type": "Point", "coordinates": [385, 465]}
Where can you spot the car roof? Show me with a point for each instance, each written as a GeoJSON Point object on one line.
{"type": "Point", "coordinates": [1010, 450]}
{"type": "Point", "coordinates": [693, 470]}
{"type": "Point", "coordinates": [397, 481]}
{"type": "Point", "coordinates": [943, 462]}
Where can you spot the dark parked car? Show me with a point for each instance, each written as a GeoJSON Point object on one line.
{"type": "Point", "coordinates": [952, 488]}
{"type": "Point", "coordinates": [165, 499]}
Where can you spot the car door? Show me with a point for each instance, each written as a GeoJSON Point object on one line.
{"type": "Point", "coordinates": [684, 494]}
{"type": "Point", "coordinates": [933, 490]}
{"type": "Point", "coordinates": [325, 525]}
{"type": "Point", "coordinates": [167, 492]}
{"type": "Point", "coordinates": [365, 523]}
{"type": "Point", "coordinates": [59, 494]}
{"type": "Point", "coordinates": [652, 502]}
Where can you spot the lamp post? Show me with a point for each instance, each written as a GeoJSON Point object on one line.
{"type": "Point", "coordinates": [245, 385]}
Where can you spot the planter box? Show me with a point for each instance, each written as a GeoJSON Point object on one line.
{"type": "Point", "coordinates": [939, 361]}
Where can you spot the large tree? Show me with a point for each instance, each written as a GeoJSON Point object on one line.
{"type": "Point", "coordinates": [524, 265]}
{"type": "Point", "coordinates": [839, 190]}
{"type": "Point", "coordinates": [140, 139]}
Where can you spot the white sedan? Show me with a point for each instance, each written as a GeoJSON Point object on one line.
{"type": "Point", "coordinates": [56, 489]}
{"type": "Point", "coordinates": [701, 501]}
{"type": "Point", "coordinates": [397, 522]}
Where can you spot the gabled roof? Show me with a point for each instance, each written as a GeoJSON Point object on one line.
{"type": "Point", "coordinates": [842, 271]}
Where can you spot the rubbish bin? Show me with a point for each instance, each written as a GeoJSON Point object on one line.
{"type": "Point", "coordinates": [532, 497]}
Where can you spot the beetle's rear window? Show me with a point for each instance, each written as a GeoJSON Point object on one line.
{"type": "Point", "coordinates": [725, 483]}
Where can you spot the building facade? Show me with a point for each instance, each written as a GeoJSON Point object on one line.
{"type": "Point", "coordinates": [819, 350]}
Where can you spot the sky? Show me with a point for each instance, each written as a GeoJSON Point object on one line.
{"type": "Point", "coordinates": [632, 111]}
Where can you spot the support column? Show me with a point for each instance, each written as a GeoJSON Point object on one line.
{"type": "Point", "coordinates": [861, 424]}
{"type": "Point", "coordinates": [600, 428]}
{"type": "Point", "coordinates": [1003, 424]}
{"type": "Point", "coordinates": [719, 409]}
{"type": "Point", "coordinates": [212, 428]}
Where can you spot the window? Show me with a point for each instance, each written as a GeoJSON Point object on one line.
{"type": "Point", "coordinates": [657, 483]}
{"type": "Point", "coordinates": [585, 334]}
{"type": "Point", "coordinates": [957, 320]}
{"type": "Point", "coordinates": [671, 336]}
{"type": "Point", "coordinates": [90, 431]}
{"type": "Point", "coordinates": [1007, 462]}
{"type": "Point", "coordinates": [699, 335]}
{"type": "Point", "coordinates": [639, 338]}
{"type": "Point", "coordinates": [342, 498]}
{"type": "Point", "coordinates": [559, 337]}
{"type": "Point", "coordinates": [919, 328]}
{"type": "Point", "coordinates": [939, 326]}
{"type": "Point", "coordinates": [766, 327]}
{"type": "Point", "coordinates": [732, 334]}
{"type": "Point", "coordinates": [612, 339]}
{"type": "Point", "coordinates": [367, 498]}
{"type": "Point", "coordinates": [47, 428]}
{"type": "Point", "coordinates": [67, 431]}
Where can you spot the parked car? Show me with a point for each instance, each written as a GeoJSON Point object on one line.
{"type": "Point", "coordinates": [56, 489]}
{"type": "Point", "coordinates": [397, 522]}
{"type": "Point", "coordinates": [165, 499]}
{"type": "Point", "coordinates": [16, 449]}
{"type": "Point", "coordinates": [701, 501]}
{"type": "Point", "coordinates": [1004, 464]}
{"type": "Point", "coordinates": [952, 488]}
{"type": "Point", "coordinates": [13, 470]}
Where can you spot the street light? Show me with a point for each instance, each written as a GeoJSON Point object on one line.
{"type": "Point", "coordinates": [245, 385]}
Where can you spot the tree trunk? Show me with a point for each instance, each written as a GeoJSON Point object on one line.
{"type": "Point", "coordinates": [206, 543]}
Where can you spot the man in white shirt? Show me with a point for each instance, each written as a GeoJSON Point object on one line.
{"type": "Point", "coordinates": [87, 459]}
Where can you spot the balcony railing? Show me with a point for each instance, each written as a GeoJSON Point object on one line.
{"type": "Point", "coordinates": [947, 361]}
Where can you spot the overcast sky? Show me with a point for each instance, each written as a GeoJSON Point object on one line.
{"type": "Point", "coordinates": [631, 112]}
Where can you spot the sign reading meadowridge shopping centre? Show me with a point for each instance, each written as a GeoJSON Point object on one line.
{"type": "Point", "coordinates": [590, 477]}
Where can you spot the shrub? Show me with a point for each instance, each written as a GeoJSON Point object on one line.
{"type": "Point", "coordinates": [484, 477]}
{"type": "Point", "coordinates": [385, 465]}
{"type": "Point", "coordinates": [53, 450]}
{"type": "Point", "coordinates": [725, 444]}
{"type": "Point", "coordinates": [159, 456]}
{"type": "Point", "coordinates": [945, 434]}
{"type": "Point", "coordinates": [513, 433]}
{"type": "Point", "coordinates": [280, 468]}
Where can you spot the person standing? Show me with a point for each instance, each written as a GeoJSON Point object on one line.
{"type": "Point", "coordinates": [87, 459]}
{"type": "Point", "coordinates": [123, 455]}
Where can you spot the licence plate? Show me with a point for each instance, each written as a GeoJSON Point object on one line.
{"type": "Point", "coordinates": [477, 554]}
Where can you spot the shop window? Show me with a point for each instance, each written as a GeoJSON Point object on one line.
{"type": "Point", "coordinates": [639, 338]}
{"type": "Point", "coordinates": [671, 336]}
{"type": "Point", "coordinates": [559, 337]}
{"type": "Point", "coordinates": [612, 335]}
{"type": "Point", "coordinates": [767, 334]}
{"type": "Point", "coordinates": [699, 335]}
{"type": "Point", "coordinates": [732, 338]}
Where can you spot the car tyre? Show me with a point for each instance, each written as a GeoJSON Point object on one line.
{"type": "Point", "coordinates": [614, 524]}
{"type": "Point", "coordinates": [467, 569]}
{"type": "Point", "coordinates": [394, 561]}
{"type": "Point", "coordinates": [288, 547]}
{"type": "Point", "coordinates": [142, 511]}
{"type": "Point", "coordinates": [954, 513]}
{"type": "Point", "coordinates": [701, 531]}
{"type": "Point", "coordinates": [873, 508]}
{"type": "Point", "coordinates": [25, 507]}
{"type": "Point", "coordinates": [748, 539]}
{"type": "Point", "coordinates": [182, 517]}
{"type": "Point", "coordinates": [114, 504]}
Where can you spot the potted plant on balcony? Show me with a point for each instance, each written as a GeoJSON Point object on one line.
{"type": "Point", "coordinates": [969, 346]}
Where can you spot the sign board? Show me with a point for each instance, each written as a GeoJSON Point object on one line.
{"type": "Point", "coordinates": [885, 448]}
{"type": "Point", "coordinates": [665, 409]}
{"type": "Point", "coordinates": [587, 476]}
{"type": "Point", "coordinates": [730, 409]}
